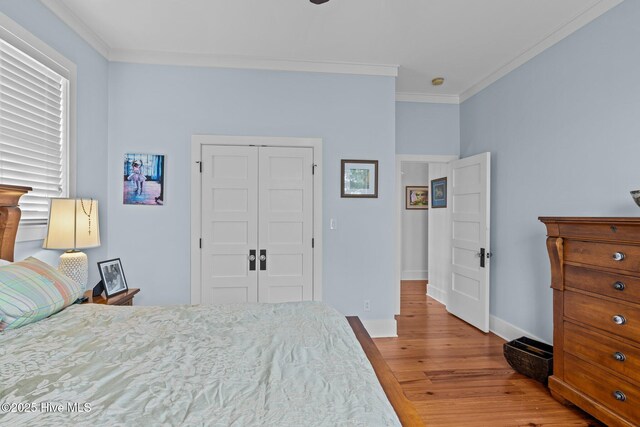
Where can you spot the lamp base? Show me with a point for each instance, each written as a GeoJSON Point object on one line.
{"type": "Point", "coordinates": [75, 265]}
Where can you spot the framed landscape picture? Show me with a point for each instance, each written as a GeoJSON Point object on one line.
{"type": "Point", "coordinates": [359, 178]}
{"type": "Point", "coordinates": [439, 193]}
{"type": "Point", "coordinates": [417, 197]}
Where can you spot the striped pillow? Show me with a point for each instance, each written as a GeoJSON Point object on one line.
{"type": "Point", "coordinates": [26, 297]}
{"type": "Point", "coordinates": [68, 288]}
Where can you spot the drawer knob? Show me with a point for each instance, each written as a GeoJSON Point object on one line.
{"type": "Point", "coordinates": [619, 286]}
{"type": "Point", "coordinates": [619, 395]}
{"type": "Point", "coordinates": [620, 357]}
{"type": "Point", "coordinates": [618, 256]}
{"type": "Point", "coordinates": [618, 319]}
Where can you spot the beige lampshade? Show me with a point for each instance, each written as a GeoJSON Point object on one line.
{"type": "Point", "coordinates": [73, 224]}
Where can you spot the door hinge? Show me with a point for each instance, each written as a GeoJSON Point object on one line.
{"type": "Point", "coordinates": [200, 243]}
{"type": "Point", "coordinates": [313, 243]}
{"type": "Point", "coordinates": [200, 166]}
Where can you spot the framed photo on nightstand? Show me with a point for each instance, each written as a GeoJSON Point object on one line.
{"type": "Point", "coordinates": [112, 276]}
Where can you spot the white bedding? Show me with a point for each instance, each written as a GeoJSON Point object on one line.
{"type": "Point", "coordinates": [294, 364]}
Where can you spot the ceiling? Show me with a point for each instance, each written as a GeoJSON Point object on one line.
{"type": "Point", "coordinates": [469, 42]}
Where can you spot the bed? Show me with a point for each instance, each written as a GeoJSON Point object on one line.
{"type": "Point", "coordinates": [291, 364]}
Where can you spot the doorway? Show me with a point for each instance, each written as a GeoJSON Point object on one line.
{"type": "Point", "coordinates": [458, 236]}
{"type": "Point", "coordinates": [421, 255]}
{"type": "Point", "coordinates": [256, 215]}
{"type": "Point", "coordinates": [414, 221]}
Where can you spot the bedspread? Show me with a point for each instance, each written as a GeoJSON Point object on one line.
{"type": "Point", "coordinates": [292, 364]}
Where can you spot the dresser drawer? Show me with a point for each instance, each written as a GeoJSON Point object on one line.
{"type": "Point", "coordinates": [603, 387]}
{"type": "Point", "coordinates": [608, 231]}
{"type": "Point", "coordinates": [600, 313]}
{"type": "Point", "coordinates": [610, 284]}
{"type": "Point", "coordinates": [602, 351]}
{"type": "Point", "coordinates": [603, 254]}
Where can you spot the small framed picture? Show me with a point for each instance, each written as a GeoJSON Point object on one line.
{"type": "Point", "coordinates": [112, 276]}
{"type": "Point", "coordinates": [439, 193]}
{"type": "Point", "coordinates": [143, 179]}
{"type": "Point", "coordinates": [359, 178]}
{"type": "Point", "coordinates": [417, 197]}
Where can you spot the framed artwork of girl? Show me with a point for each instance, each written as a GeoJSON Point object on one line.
{"type": "Point", "coordinates": [143, 179]}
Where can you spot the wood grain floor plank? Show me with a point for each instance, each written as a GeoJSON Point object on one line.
{"type": "Point", "coordinates": [456, 375]}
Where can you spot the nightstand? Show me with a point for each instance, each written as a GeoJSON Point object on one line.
{"type": "Point", "coordinates": [125, 298]}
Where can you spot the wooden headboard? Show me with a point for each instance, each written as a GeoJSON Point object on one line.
{"type": "Point", "coordinates": [9, 218]}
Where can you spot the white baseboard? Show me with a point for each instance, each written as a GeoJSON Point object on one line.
{"type": "Point", "coordinates": [415, 275]}
{"type": "Point", "coordinates": [381, 328]}
{"type": "Point", "coordinates": [437, 294]}
{"type": "Point", "coordinates": [509, 332]}
{"type": "Point", "coordinates": [501, 328]}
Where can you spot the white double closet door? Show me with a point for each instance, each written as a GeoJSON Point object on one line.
{"type": "Point", "coordinates": [257, 224]}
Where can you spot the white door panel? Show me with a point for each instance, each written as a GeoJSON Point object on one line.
{"type": "Point", "coordinates": [286, 224]}
{"type": "Point", "coordinates": [470, 211]}
{"type": "Point", "coordinates": [229, 223]}
{"type": "Point", "coordinates": [256, 199]}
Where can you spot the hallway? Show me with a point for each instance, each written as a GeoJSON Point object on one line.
{"type": "Point", "coordinates": [456, 375]}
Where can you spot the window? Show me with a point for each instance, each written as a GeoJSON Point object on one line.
{"type": "Point", "coordinates": [34, 123]}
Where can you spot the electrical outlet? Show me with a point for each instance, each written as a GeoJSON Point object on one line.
{"type": "Point", "coordinates": [367, 305]}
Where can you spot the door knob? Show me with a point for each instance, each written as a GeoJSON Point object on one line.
{"type": "Point", "coordinates": [263, 259]}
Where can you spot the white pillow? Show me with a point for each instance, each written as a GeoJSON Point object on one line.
{"type": "Point", "coordinates": [4, 262]}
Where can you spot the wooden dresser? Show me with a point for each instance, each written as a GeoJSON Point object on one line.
{"type": "Point", "coordinates": [595, 276]}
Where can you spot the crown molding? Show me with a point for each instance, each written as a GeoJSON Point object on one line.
{"type": "Point", "coordinates": [231, 61]}
{"type": "Point", "coordinates": [556, 36]}
{"type": "Point", "coordinates": [76, 24]}
{"type": "Point", "coordinates": [204, 60]}
{"type": "Point", "coordinates": [427, 98]}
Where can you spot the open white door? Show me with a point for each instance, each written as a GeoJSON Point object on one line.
{"type": "Point", "coordinates": [470, 209]}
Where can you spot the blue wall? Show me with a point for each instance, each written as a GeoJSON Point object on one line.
{"type": "Point", "coordinates": [423, 128]}
{"type": "Point", "coordinates": [92, 70]}
{"type": "Point", "coordinates": [158, 108]}
{"type": "Point", "coordinates": [564, 133]}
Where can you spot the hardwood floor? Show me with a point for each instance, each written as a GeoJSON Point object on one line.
{"type": "Point", "coordinates": [456, 375]}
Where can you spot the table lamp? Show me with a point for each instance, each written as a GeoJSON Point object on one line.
{"type": "Point", "coordinates": [73, 225]}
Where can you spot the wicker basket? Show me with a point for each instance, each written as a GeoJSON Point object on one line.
{"type": "Point", "coordinates": [530, 357]}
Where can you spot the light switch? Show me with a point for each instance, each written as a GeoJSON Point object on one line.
{"type": "Point", "coordinates": [333, 224]}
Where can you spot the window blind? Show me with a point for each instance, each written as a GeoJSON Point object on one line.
{"type": "Point", "coordinates": [33, 131]}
